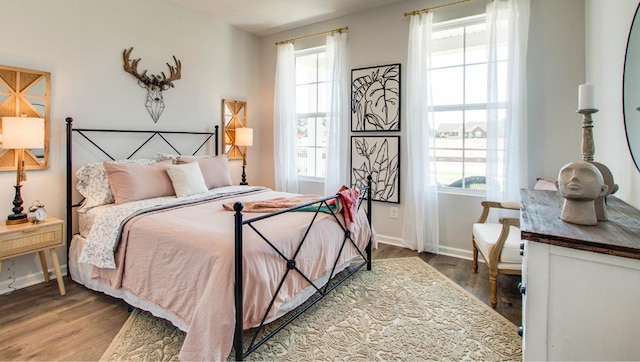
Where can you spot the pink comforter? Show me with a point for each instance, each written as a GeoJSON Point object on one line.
{"type": "Point", "coordinates": [182, 260]}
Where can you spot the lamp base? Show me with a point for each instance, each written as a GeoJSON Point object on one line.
{"type": "Point", "coordinates": [18, 217]}
{"type": "Point", "coordinates": [244, 182]}
{"type": "Point", "coordinates": [14, 219]}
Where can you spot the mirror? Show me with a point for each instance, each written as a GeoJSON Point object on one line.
{"type": "Point", "coordinates": [234, 115]}
{"type": "Point", "coordinates": [631, 90]}
{"type": "Point", "coordinates": [25, 93]}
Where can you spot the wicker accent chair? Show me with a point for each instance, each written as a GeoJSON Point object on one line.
{"type": "Point", "coordinates": [499, 244]}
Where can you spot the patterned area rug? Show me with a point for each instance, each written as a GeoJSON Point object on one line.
{"type": "Point", "coordinates": [401, 310]}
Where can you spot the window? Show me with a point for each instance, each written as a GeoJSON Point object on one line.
{"type": "Point", "coordinates": [459, 88]}
{"type": "Point", "coordinates": [311, 110]}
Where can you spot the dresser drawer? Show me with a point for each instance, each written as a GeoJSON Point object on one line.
{"type": "Point", "coordinates": [30, 239]}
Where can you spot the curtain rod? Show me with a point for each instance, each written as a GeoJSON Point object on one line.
{"type": "Point", "coordinates": [339, 30]}
{"type": "Point", "coordinates": [418, 12]}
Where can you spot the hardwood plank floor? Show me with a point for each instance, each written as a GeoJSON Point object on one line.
{"type": "Point", "coordinates": [36, 323]}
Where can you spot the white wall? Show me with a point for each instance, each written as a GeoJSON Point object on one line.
{"type": "Point", "coordinates": [608, 24]}
{"type": "Point", "coordinates": [81, 44]}
{"type": "Point", "coordinates": [556, 68]}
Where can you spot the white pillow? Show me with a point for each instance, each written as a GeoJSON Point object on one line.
{"type": "Point", "coordinates": [187, 179]}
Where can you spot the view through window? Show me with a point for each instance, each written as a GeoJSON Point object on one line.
{"type": "Point", "coordinates": [311, 109]}
{"type": "Point", "coordinates": [459, 88]}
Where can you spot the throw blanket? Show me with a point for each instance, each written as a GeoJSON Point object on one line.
{"type": "Point", "coordinates": [277, 204]}
{"type": "Point", "coordinates": [347, 203]}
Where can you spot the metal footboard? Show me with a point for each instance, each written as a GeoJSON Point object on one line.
{"type": "Point", "coordinates": [321, 291]}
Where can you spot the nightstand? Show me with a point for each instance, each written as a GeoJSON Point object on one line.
{"type": "Point", "coordinates": [27, 238]}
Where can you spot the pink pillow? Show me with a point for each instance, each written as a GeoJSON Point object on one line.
{"type": "Point", "coordinates": [215, 169]}
{"type": "Point", "coordinates": [131, 181]}
{"type": "Point", "coordinates": [544, 184]}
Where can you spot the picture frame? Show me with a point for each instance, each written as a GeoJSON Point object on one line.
{"type": "Point", "coordinates": [378, 156]}
{"type": "Point", "coordinates": [375, 99]}
{"type": "Point", "coordinates": [234, 115]}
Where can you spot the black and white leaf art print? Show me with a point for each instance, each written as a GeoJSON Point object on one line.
{"type": "Point", "coordinates": [375, 98]}
{"type": "Point", "coordinates": [378, 156]}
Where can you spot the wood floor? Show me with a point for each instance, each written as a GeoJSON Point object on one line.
{"type": "Point", "coordinates": [36, 323]}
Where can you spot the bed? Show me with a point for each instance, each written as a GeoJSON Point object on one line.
{"type": "Point", "coordinates": [206, 258]}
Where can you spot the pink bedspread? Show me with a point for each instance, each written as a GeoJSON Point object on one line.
{"type": "Point", "coordinates": [182, 259]}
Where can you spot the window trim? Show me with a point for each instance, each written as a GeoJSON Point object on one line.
{"type": "Point", "coordinates": [443, 26]}
{"type": "Point", "coordinates": [299, 53]}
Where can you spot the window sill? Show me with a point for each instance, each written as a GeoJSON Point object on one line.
{"type": "Point", "coordinates": [461, 191]}
{"type": "Point", "coordinates": [311, 179]}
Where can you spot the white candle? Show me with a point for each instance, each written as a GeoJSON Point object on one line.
{"type": "Point", "coordinates": [586, 97]}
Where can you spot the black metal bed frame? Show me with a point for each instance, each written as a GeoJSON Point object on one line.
{"type": "Point", "coordinates": [320, 205]}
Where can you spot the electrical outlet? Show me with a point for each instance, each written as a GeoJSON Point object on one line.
{"type": "Point", "coordinates": [393, 212]}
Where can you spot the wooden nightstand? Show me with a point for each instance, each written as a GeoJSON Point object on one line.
{"type": "Point", "coordinates": [29, 238]}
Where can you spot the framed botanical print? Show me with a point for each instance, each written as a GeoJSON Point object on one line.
{"type": "Point", "coordinates": [378, 156]}
{"type": "Point", "coordinates": [375, 99]}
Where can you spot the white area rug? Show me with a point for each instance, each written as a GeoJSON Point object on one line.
{"type": "Point", "coordinates": [403, 309]}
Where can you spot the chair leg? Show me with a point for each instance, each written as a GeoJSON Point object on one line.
{"type": "Point", "coordinates": [493, 286]}
{"type": "Point", "coordinates": [475, 257]}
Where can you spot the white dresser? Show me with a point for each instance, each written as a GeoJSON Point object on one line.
{"type": "Point", "coordinates": [580, 284]}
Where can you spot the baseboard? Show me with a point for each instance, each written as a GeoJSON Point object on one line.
{"type": "Point", "coordinates": [455, 252]}
{"type": "Point", "coordinates": [28, 280]}
{"type": "Point", "coordinates": [390, 240]}
{"type": "Point", "coordinates": [444, 250]}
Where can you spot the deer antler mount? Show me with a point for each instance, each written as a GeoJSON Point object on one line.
{"type": "Point", "coordinates": [154, 84]}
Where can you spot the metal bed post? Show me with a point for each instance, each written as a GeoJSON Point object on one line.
{"type": "Point", "coordinates": [369, 178]}
{"type": "Point", "coordinates": [216, 139]}
{"type": "Point", "coordinates": [69, 210]}
{"type": "Point", "coordinates": [239, 304]}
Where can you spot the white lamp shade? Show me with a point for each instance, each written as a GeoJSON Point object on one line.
{"type": "Point", "coordinates": [22, 132]}
{"type": "Point", "coordinates": [244, 136]}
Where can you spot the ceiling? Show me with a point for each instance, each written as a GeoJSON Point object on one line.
{"type": "Point", "coordinates": [264, 17]}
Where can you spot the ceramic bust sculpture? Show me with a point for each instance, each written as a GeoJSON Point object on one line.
{"type": "Point", "coordinates": [601, 209]}
{"type": "Point", "coordinates": [580, 183]}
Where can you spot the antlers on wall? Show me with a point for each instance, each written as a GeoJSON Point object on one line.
{"type": "Point", "coordinates": [161, 81]}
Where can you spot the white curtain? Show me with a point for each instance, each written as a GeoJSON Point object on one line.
{"type": "Point", "coordinates": [285, 124]}
{"type": "Point", "coordinates": [420, 229]}
{"type": "Point", "coordinates": [507, 31]}
{"type": "Point", "coordinates": [339, 111]}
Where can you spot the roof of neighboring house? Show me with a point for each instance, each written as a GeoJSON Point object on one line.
{"type": "Point", "coordinates": [457, 127]}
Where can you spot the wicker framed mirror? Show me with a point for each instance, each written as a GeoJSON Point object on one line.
{"type": "Point", "coordinates": [234, 115]}
{"type": "Point", "coordinates": [25, 93]}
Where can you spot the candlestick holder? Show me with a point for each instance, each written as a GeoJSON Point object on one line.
{"type": "Point", "coordinates": [588, 146]}
{"type": "Point", "coordinates": [588, 151]}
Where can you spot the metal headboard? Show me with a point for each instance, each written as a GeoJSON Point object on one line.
{"type": "Point", "coordinates": [86, 132]}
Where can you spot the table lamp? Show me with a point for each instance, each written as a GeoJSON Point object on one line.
{"type": "Point", "coordinates": [20, 133]}
{"type": "Point", "coordinates": [244, 137]}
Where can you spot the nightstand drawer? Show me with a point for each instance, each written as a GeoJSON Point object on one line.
{"type": "Point", "coordinates": [30, 239]}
